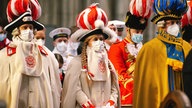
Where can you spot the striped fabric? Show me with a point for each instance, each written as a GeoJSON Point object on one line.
{"type": "Point", "coordinates": [165, 7]}
{"type": "Point", "coordinates": [87, 18]}
{"type": "Point", "coordinates": [141, 8]}
{"type": "Point", "coordinates": [187, 17]}
{"type": "Point", "coordinates": [17, 7]}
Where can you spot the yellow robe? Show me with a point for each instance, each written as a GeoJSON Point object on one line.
{"type": "Point", "coordinates": [151, 74]}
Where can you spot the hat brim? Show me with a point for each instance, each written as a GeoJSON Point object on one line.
{"type": "Point", "coordinates": [82, 34]}
{"type": "Point", "coordinates": [19, 21]}
{"type": "Point", "coordinates": [93, 32]}
{"type": "Point", "coordinates": [158, 18]}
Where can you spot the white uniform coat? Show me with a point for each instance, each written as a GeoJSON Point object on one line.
{"type": "Point", "coordinates": [26, 81]}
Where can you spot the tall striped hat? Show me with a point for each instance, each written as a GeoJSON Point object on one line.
{"type": "Point", "coordinates": [169, 9]}
{"type": "Point", "coordinates": [187, 17]}
{"type": "Point", "coordinates": [138, 14]}
{"type": "Point", "coordinates": [92, 20]}
{"type": "Point", "coordinates": [87, 18]}
{"type": "Point", "coordinates": [21, 12]}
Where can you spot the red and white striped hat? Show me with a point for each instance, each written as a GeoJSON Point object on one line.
{"type": "Point", "coordinates": [23, 11]}
{"type": "Point", "coordinates": [140, 8]}
{"type": "Point", "coordinates": [187, 17]}
{"type": "Point", "coordinates": [92, 20]}
{"type": "Point", "coordinates": [87, 18]}
{"type": "Point", "coordinates": [16, 8]}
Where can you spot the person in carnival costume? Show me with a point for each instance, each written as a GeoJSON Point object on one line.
{"type": "Point", "coordinates": [158, 69]}
{"type": "Point", "coordinates": [186, 23]}
{"type": "Point", "coordinates": [29, 75]}
{"type": "Point", "coordinates": [91, 81]}
{"type": "Point", "coordinates": [123, 54]}
{"type": "Point", "coordinates": [3, 35]}
{"type": "Point", "coordinates": [187, 35]}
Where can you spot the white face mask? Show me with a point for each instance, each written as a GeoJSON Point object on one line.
{"type": "Point", "coordinates": [40, 41]}
{"type": "Point", "coordinates": [26, 35]}
{"type": "Point", "coordinates": [98, 46]}
{"type": "Point", "coordinates": [61, 47]}
{"type": "Point", "coordinates": [173, 30]}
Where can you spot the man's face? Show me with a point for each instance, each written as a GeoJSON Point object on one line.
{"type": "Point", "coordinates": [172, 27]}
{"type": "Point", "coordinates": [171, 22]}
{"type": "Point", "coordinates": [113, 27]}
{"type": "Point", "coordinates": [134, 31]}
{"type": "Point", "coordinates": [119, 31]}
{"type": "Point", "coordinates": [40, 34]}
{"type": "Point", "coordinates": [60, 39]}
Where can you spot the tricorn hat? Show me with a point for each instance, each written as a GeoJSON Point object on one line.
{"type": "Point", "coordinates": [21, 12]}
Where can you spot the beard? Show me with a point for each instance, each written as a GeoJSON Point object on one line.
{"type": "Point", "coordinates": [97, 64]}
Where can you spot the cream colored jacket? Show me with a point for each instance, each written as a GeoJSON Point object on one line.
{"type": "Point", "coordinates": [27, 82]}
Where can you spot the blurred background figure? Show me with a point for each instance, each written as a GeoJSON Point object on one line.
{"type": "Point", "coordinates": [186, 24]}
{"type": "Point", "coordinates": [3, 34]}
{"type": "Point", "coordinates": [60, 42]}
{"type": "Point", "coordinates": [119, 28]}
{"type": "Point", "coordinates": [61, 71]}
{"type": "Point", "coordinates": [114, 38]}
{"type": "Point", "coordinates": [40, 37]}
{"type": "Point", "coordinates": [72, 46]}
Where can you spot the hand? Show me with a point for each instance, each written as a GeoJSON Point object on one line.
{"type": "Point", "coordinates": [88, 105]}
{"type": "Point", "coordinates": [110, 104]}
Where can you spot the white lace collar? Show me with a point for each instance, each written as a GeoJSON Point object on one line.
{"type": "Point", "coordinates": [134, 49]}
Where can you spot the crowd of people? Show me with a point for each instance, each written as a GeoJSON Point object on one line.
{"type": "Point", "coordinates": [92, 64]}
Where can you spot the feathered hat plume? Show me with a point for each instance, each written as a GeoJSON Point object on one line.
{"type": "Point", "coordinates": [138, 14]}
{"type": "Point", "coordinates": [169, 9]}
{"type": "Point", "coordinates": [92, 20]}
{"type": "Point", "coordinates": [23, 11]}
{"type": "Point", "coordinates": [92, 17]}
{"type": "Point", "coordinates": [16, 8]}
{"type": "Point", "coordinates": [140, 8]}
{"type": "Point", "coordinates": [187, 17]}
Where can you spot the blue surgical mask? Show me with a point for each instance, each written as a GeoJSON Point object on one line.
{"type": "Point", "coordinates": [2, 36]}
{"type": "Point", "coordinates": [137, 38]}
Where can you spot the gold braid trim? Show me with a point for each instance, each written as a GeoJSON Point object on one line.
{"type": "Point", "coordinates": [157, 18]}
{"type": "Point", "coordinates": [164, 36]}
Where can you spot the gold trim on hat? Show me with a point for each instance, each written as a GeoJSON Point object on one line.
{"type": "Point", "coordinates": [165, 16]}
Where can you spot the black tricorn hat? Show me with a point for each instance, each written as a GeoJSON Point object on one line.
{"type": "Point", "coordinates": [25, 18]}
{"type": "Point", "coordinates": [135, 22]}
